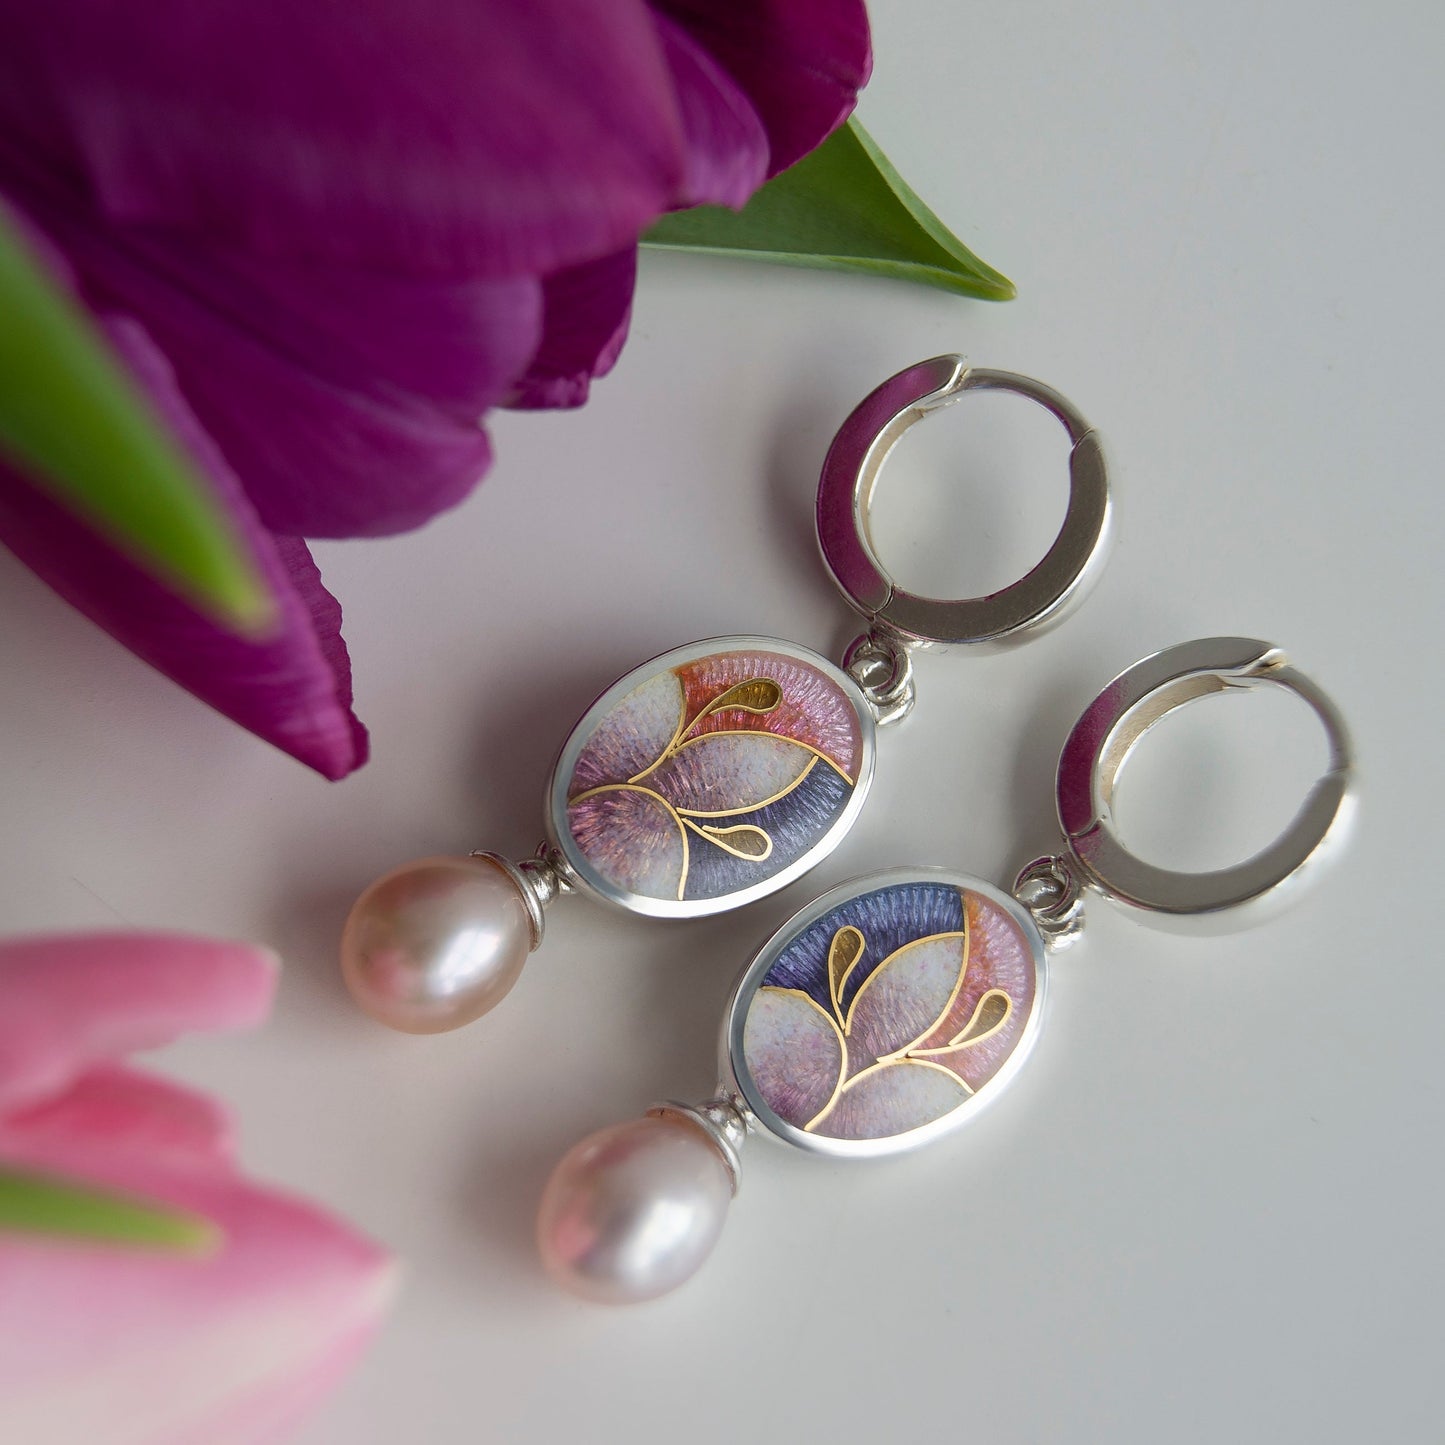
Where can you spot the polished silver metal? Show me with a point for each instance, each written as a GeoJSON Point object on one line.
{"type": "Point", "coordinates": [882, 668]}
{"type": "Point", "coordinates": [1039, 599]}
{"type": "Point", "coordinates": [724, 1119]}
{"type": "Point", "coordinates": [539, 880]}
{"type": "Point", "coordinates": [1113, 724]}
{"type": "Point", "coordinates": [737, 1077]}
{"type": "Point", "coordinates": [573, 865]}
{"type": "Point", "coordinates": [536, 893]}
{"type": "Point", "coordinates": [1050, 891]}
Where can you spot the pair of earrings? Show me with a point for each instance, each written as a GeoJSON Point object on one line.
{"type": "Point", "coordinates": [887, 1011]}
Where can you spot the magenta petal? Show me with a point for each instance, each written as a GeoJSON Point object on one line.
{"type": "Point", "coordinates": [586, 310]}
{"type": "Point", "coordinates": [411, 135]}
{"type": "Point", "coordinates": [292, 688]}
{"type": "Point", "coordinates": [727, 147]}
{"type": "Point", "coordinates": [347, 401]}
{"type": "Point", "coordinates": [72, 1001]}
{"type": "Point", "coordinates": [800, 62]}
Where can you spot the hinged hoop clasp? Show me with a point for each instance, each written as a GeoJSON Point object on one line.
{"type": "Point", "coordinates": [1112, 725]}
{"type": "Point", "coordinates": [845, 490]}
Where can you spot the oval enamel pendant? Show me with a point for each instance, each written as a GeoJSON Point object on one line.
{"type": "Point", "coordinates": [714, 774]}
{"type": "Point", "coordinates": [887, 1012]}
{"type": "Point", "coordinates": [718, 773]}
{"type": "Point", "coordinates": [893, 1008]}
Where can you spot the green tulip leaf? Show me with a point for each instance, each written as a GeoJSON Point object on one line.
{"type": "Point", "coordinates": [841, 208]}
{"type": "Point", "coordinates": [35, 1204]}
{"type": "Point", "coordinates": [84, 433]}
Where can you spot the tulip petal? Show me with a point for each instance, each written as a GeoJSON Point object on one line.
{"type": "Point", "coordinates": [113, 1107]}
{"type": "Point", "coordinates": [408, 135]}
{"type": "Point", "coordinates": [51, 1208]}
{"type": "Point", "coordinates": [71, 1001]}
{"type": "Point", "coordinates": [800, 62]}
{"type": "Point", "coordinates": [794, 1053]}
{"type": "Point", "coordinates": [292, 688]}
{"type": "Point", "coordinates": [727, 147]}
{"type": "Point", "coordinates": [70, 413]}
{"type": "Point", "coordinates": [131, 1348]}
{"type": "Point", "coordinates": [892, 1099]}
{"type": "Point", "coordinates": [585, 314]}
{"type": "Point", "coordinates": [347, 400]}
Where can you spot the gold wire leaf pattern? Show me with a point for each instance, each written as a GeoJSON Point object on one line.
{"type": "Point", "coordinates": [843, 954]}
{"type": "Point", "coordinates": [990, 1016]}
{"type": "Point", "coordinates": [906, 997]}
{"type": "Point", "coordinates": [907, 1014]}
{"type": "Point", "coordinates": [757, 694]}
{"type": "Point", "coordinates": [709, 743]}
{"type": "Point", "coordinates": [743, 840]}
{"type": "Point", "coordinates": [991, 1013]}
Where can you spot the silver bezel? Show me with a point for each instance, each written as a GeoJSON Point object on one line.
{"type": "Point", "coordinates": [556, 810]}
{"type": "Point", "coordinates": [734, 1066]}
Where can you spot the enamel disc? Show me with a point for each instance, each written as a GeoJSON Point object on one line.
{"type": "Point", "coordinates": [712, 775]}
{"type": "Point", "coordinates": [887, 1012]}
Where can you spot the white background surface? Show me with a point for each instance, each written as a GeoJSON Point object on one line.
{"type": "Point", "coordinates": [1209, 1207]}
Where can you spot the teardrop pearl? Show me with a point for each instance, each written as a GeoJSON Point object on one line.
{"type": "Point", "coordinates": [632, 1211]}
{"type": "Point", "coordinates": [434, 944]}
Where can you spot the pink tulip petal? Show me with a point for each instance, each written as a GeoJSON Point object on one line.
{"type": "Point", "coordinates": [348, 401]}
{"type": "Point", "coordinates": [112, 1107]}
{"type": "Point", "coordinates": [410, 135]}
{"type": "Point", "coordinates": [586, 310]}
{"type": "Point", "coordinates": [72, 1001]}
{"type": "Point", "coordinates": [800, 62]}
{"type": "Point", "coordinates": [727, 147]}
{"type": "Point", "coordinates": [292, 688]}
{"type": "Point", "coordinates": [136, 1346]}
{"type": "Point", "coordinates": [274, 1412]}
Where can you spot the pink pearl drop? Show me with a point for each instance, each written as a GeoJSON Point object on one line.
{"type": "Point", "coordinates": [435, 944]}
{"type": "Point", "coordinates": [633, 1211]}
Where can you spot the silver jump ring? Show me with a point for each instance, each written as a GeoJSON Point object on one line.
{"type": "Point", "coordinates": [1114, 722]}
{"type": "Point", "coordinates": [845, 492]}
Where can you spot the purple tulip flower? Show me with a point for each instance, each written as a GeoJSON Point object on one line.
{"type": "Point", "coordinates": [326, 238]}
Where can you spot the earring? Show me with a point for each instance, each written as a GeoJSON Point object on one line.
{"type": "Point", "coordinates": [719, 772]}
{"type": "Point", "coordinates": [890, 1010]}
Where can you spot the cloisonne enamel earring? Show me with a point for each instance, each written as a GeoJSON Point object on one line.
{"type": "Point", "coordinates": [721, 771]}
{"type": "Point", "coordinates": [891, 1009]}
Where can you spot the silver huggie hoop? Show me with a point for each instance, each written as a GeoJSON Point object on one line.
{"type": "Point", "coordinates": [1108, 731]}
{"type": "Point", "coordinates": [1041, 598]}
